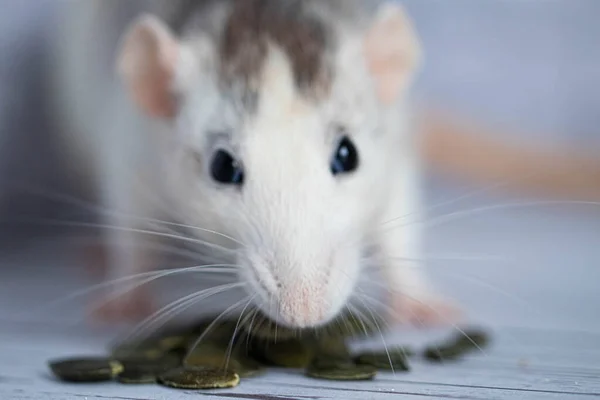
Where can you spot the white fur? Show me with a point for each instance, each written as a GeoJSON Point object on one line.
{"type": "Point", "coordinates": [303, 231]}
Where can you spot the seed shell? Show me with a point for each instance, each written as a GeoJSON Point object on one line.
{"type": "Point", "coordinates": [85, 369]}
{"type": "Point", "coordinates": [199, 378]}
{"type": "Point", "coordinates": [457, 346]}
{"type": "Point", "coordinates": [142, 371]}
{"type": "Point", "coordinates": [340, 370]}
{"type": "Point", "coordinates": [394, 359]}
{"type": "Point", "coordinates": [291, 353]}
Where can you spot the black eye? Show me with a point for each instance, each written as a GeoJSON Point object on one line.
{"type": "Point", "coordinates": [345, 158]}
{"type": "Point", "coordinates": [225, 169]}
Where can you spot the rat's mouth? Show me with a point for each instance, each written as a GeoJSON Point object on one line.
{"type": "Point", "coordinates": [279, 315]}
{"type": "Point", "coordinates": [343, 324]}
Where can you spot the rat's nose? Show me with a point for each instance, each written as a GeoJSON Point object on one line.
{"type": "Point", "coordinates": [303, 304]}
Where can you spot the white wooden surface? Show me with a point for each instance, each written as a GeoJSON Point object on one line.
{"type": "Point", "coordinates": [540, 298]}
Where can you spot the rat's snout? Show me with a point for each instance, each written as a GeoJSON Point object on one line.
{"type": "Point", "coordinates": [301, 292]}
{"type": "Point", "coordinates": [295, 294]}
{"type": "Point", "coordinates": [303, 303]}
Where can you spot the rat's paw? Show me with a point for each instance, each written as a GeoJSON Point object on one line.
{"type": "Point", "coordinates": [133, 306]}
{"type": "Point", "coordinates": [424, 310]}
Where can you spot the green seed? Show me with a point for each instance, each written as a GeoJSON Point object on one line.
{"type": "Point", "coordinates": [445, 353]}
{"type": "Point", "coordinates": [457, 346]}
{"type": "Point", "coordinates": [152, 348]}
{"type": "Point", "coordinates": [349, 326]}
{"type": "Point", "coordinates": [172, 342]}
{"type": "Point", "coordinates": [221, 332]}
{"type": "Point", "coordinates": [213, 355]}
{"type": "Point", "coordinates": [325, 362]}
{"type": "Point", "coordinates": [215, 360]}
{"type": "Point", "coordinates": [473, 338]}
{"type": "Point", "coordinates": [248, 365]}
{"type": "Point", "coordinates": [139, 350]}
{"type": "Point", "coordinates": [146, 371]}
{"type": "Point", "coordinates": [269, 331]}
{"type": "Point", "coordinates": [286, 354]}
{"type": "Point", "coordinates": [331, 347]}
{"type": "Point", "coordinates": [208, 354]}
{"type": "Point", "coordinates": [394, 359]}
{"type": "Point", "coordinates": [93, 369]}
{"type": "Point", "coordinates": [137, 377]}
{"type": "Point", "coordinates": [249, 368]}
{"type": "Point", "coordinates": [340, 370]}
{"type": "Point", "coordinates": [199, 378]}
{"type": "Point", "coordinates": [345, 326]}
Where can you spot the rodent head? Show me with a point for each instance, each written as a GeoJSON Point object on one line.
{"type": "Point", "coordinates": [287, 157]}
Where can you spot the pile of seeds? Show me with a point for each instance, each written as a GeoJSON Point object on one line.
{"type": "Point", "coordinates": [217, 355]}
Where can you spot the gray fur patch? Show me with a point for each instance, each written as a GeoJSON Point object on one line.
{"type": "Point", "coordinates": [303, 29]}
{"type": "Point", "coordinates": [304, 37]}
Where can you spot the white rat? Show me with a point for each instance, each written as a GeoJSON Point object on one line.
{"type": "Point", "coordinates": [280, 128]}
{"type": "Point", "coordinates": [283, 125]}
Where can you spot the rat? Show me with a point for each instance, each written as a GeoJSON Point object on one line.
{"type": "Point", "coordinates": [281, 129]}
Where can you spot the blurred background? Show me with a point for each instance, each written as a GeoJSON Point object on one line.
{"type": "Point", "coordinates": [529, 65]}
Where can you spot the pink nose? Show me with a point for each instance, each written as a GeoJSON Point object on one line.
{"type": "Point", "coordinates": [302, 306]}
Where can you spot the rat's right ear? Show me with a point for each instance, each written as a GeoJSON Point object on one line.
{"type": "Point", "coordinates": [147, 62]}
{"type": "Point", "coordinates": [392, 51]}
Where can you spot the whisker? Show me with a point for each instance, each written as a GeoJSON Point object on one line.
{"type": "Point", "coordinates": [507, 206]}
{"type": "Point", "coordinates": [105, 211]}
{"type": "Point", "coordinates": [158, 319]}
{"type": "Point", "coordinates": [116, 294]}
{"type": "Point", "coordinates": [487, 285]}
{"type": "Point", "coordinates": [235, 331]}
{"type": "Point", "coordinates": [458, 257]}
{"type": "Point", "coordinates": [204, 230]}
{"type": "Point", "coordinates": [471, 194]}
{"type": "Point", "coordinates": [364, 318]}
{"type": "Point", "coordinates": [251, 223]}
{"type": "Point", "coordinates": [350, 308]}
{"type": "Point", "coordinates": [454, 200]}
{"type": "Point", "coordinates": [382, 337]}
{"type": "Point", "coordinates": [134, 230]}
{"type": "Point", "coordinates": [163, 248]}
{"type": "Point", "coordinates": [378, 302]}
{"type": "Point", "coordinates": [212, 324]}
{"type": "Point", "coordinates": [466, 213]}
{"type": "Point", "coordinates": [197, 296]}
{"type": "Point", "coordinates": [154, 275]}
{"type": "Point", "coordinates": [446, 320]}
{"type": "Point", "coordinates": [249, 333]}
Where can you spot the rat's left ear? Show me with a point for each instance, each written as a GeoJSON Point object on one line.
{"type": "Point", "coordinates": [147, 64]}
{"type": "Point", "coordinates": [392, 52]}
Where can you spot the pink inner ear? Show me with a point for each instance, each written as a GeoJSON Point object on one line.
{"type": "Point", "coordinates": [389, 52]}
{"type": "Point", "coordinates": [148, 64]}
{"type": "Point", "coordinates": [152, 89]}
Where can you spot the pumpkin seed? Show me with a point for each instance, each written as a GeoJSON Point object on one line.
{"type": "Point", "coordinates": [394, 359]}
{"type": "Point", "coordinates": [472, 339]}
{"type": "Point", "coordinates": [199, 378]}
{"type": "Point", "coordinates": [93, 369]}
